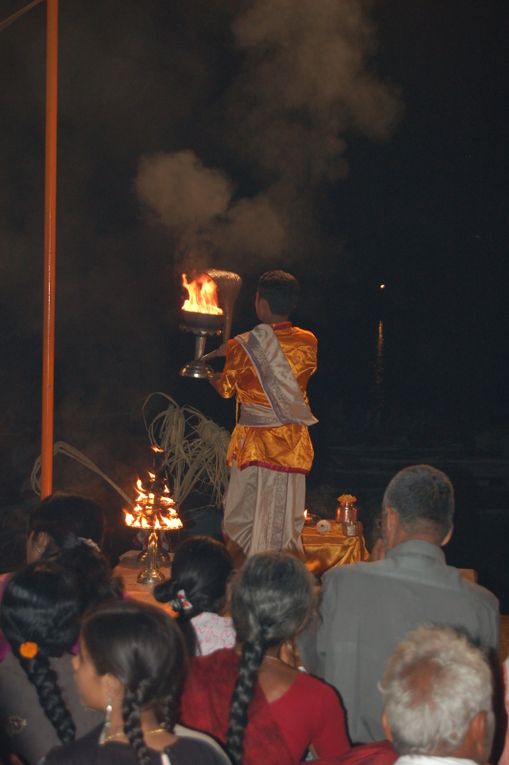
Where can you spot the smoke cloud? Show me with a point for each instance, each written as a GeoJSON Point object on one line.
{"type": "Point", "coordinates": [304, 84]}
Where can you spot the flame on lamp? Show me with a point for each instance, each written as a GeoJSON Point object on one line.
{"type": "Point", "coordinates": [202, 295]}
{"type": "Point", "coordinates": [154, 510]}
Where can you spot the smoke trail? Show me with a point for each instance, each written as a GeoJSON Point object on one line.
{"type": "Point", "coordinates": [305, 83]}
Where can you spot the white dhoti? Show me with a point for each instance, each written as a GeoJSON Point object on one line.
{"type": "Point", "coordinates": [264, 509]}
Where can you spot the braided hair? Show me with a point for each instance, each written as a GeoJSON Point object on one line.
{"type": "Point", "coordinates": [40, 607]}
{"type": "Point", "coordinates": [272, 600]}
{"type": "Point", "coordinates": [142, 647]}
{"type": "Point", "coordinates": [201, 569]}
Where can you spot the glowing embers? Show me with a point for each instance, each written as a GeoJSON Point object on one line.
{"type": "Point", "coordinates": [202, 295]}
{"type": "Point", "coordinates": [154, 509]}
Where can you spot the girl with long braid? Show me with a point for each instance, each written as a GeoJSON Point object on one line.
{"type": "Point", "coordinates": [251, 698]}
{"type": "Point", "coordinates": [39, 706]}
{"type": "Point", "coordinates": [131, 665]}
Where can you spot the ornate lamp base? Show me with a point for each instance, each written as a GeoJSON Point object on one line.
{"type": "Point", "coordinates": [151, 573]}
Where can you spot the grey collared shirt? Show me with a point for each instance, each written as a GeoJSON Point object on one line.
{"type": "Point", "coordinates": [367, 608]}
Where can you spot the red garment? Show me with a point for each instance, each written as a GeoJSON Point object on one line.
{"type": "Point", "coordinates": [373, 753]}
{"type": "Point", "coordinates": [308, 714]}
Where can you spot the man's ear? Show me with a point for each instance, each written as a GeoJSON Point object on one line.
{"type": "Point", "coordinates": [447, 537]}
{"type": "Point", "coordinates": [477, 741]}
{"type": "Point", "coordinates": [386, 726]}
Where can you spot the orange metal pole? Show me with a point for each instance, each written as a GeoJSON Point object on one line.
{"type": "Point", "coordinates": [50, 230]}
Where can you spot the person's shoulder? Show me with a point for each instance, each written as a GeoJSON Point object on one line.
{"type": "Point", "coordinates": [357, 571]}
{"type": "Point", "coordinates": [315, 688]}
{"type": "Point", "coordinates": [305, 335]}
{"type": "Point", "coordinates": [80, 751]}
{"type": "Point", "coordinates": [478, 593]}
{"type": "Point", "coordinates": [213, 663]}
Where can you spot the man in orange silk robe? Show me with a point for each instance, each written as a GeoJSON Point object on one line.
{"type": "Point", "coordinates": [270, 451]}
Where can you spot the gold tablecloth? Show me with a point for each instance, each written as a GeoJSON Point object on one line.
{"type": "Point", "coordinates": [334, 548]}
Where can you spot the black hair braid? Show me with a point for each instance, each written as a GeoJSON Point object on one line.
{"type": "Point", "coordinates": [171, 713]}
{"type": "Point", "coordinates": [132, 727]}
{"type": "Point", "coordinates": [45, 681]}
{"type": "Point", "coordinates": [251, 659]}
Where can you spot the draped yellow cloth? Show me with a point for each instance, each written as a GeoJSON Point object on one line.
{"type": "Point", "coordinates": [286, 447]}
{"type": "Point", "coordinates": [334, 548]}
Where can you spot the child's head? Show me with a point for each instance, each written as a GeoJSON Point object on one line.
{"type": "Point", "coordinates": [59, 521]}
{"type": "Point", "coordinates": [131, 655]}
{"type": "Point", "coordinates": [199, 577]}
{"type": "Point", "coordinates": [281, 291]}
{"type": "Point", "coordinates": [39, 617]}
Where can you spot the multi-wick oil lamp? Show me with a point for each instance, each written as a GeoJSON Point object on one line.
{"type": "Point", "coordinates": [207, 311]}
{"type": "Point", "coordinates": [154, 511]}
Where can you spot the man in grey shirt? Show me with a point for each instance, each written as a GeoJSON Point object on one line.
{"type": "Point", "coordinates": [368, 608]}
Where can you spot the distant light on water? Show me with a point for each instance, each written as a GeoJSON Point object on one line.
{"type": "Point", "coordinates": [382, 286]}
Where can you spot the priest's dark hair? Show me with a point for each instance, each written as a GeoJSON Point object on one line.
{"type": "Point", "coordinates": [281, 291]}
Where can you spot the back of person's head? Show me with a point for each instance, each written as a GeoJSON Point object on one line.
{"type": "Point", "coordinates": [91, 570]}
{"type": "Point", "coordinates": [200, 572]}
{"type": "Point", "coordinates": [272, 600]}
{"type": "Point", "coordinates": [62, 514]}
{"type": "Point", "coordinates": [68, 529]}
{"type": "Point", "coordinates": [143, 649]}
{"type": "Point", "coordinates": [281, 291]}
{"type": "Point", "coordinates": [40, 619]}
{"type": "Point", "coordinates": [423, 497]}
{"type": "Point", "coordinates": [434, 685]}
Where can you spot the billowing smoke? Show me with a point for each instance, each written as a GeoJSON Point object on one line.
{"type": "Point", "coordinates": [305, 83]}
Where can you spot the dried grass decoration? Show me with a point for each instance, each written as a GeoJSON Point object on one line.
{"type": "Point", "coordinates": [194, 449]}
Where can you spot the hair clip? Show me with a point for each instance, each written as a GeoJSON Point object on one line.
{"type": "Point", "coordinates": [181, 603]}
{"type": "Point", "coordinates": [28, 650]}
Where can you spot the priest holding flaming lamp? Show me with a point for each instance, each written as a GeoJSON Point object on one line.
{"type": "Point", "coordinates": [270, 451]}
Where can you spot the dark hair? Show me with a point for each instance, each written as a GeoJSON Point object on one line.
{"type": "Point", "coordinates": [41, 605]}
{"type": "Point", "coordinates": [201, 568]}
{"type": "Point", "coordinates": [142, 647]}
{"type": "Point", "coordinates": [61, 514]}
{"type": "Point", "coordinates": [422, 496]}
{"type": "Point", "coordinates": [272, 600]}
{"type": "Point", "coordinates": [281, 291]}
{"type": "Point", "coordinates": [75, 527]}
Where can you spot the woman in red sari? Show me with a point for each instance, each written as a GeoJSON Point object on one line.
{"type": "Point", "coordinates": [250, 698]}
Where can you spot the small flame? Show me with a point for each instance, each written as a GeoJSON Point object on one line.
{"type": "Point", "coordinates": [202, 295]}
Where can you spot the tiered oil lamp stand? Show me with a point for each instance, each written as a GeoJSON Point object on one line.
{"type": "Point", "coordinates": [154, 511]}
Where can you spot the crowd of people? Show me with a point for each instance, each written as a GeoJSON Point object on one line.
{"type": "Point", "coordinates": [388, 660]}
{"type": "Point", "coordinates": [251, 659]}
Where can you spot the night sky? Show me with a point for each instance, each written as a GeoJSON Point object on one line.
{"type": "Point", "coordinates": [350, 142]}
